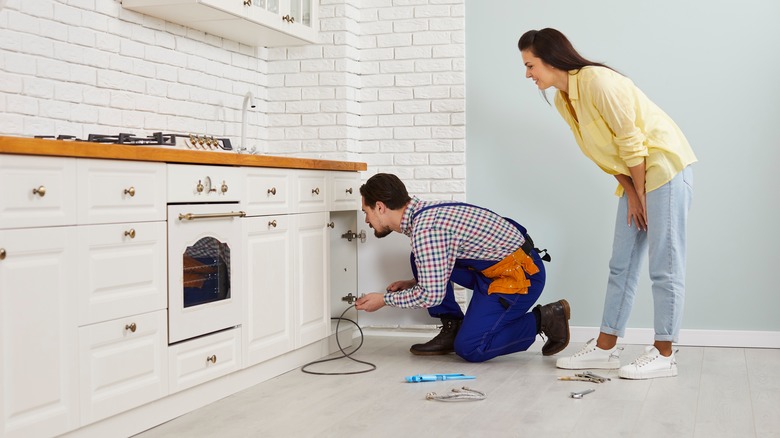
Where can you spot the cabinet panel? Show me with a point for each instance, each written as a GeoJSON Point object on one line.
{"type": "Point", "coordinates": [345, 191]}
{"type": "Point", "coordinates": [38, 326]}
{"type": "Point", "coordinates": [313, 278]}
{"type": "Point", "coordinates": [124, 364]}
{"type": "Point", "coordinates": [122, 270]}
{"type": "Point", "coordinates": [197, 184]}
{"type": "Point", "coordinates": [252, 22]}
{"type": "Point", "coordinates": [312, 187]}
{"type": "Point", "coordinates": [201, 359]}
{"type": "Point", "coordinates": [268, 191]}
{"type": "Point", "coordinates": [120, 191]}
{"type": "Point", "coordinates": [268, 328]}
{"type": "Point", "coordinates": [37, 191]}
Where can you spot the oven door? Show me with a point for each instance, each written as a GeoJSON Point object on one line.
{"type": "Point", "coordinates": [204, 264]}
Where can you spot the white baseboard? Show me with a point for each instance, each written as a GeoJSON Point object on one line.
{"type": "Point", "coordinates": [701, 338]}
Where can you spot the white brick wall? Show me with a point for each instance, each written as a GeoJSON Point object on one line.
{"type": "Point", "coordinates": [385, 84]}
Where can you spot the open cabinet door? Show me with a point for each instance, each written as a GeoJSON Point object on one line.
{"type": "Point", "coordinates": [378, 262]}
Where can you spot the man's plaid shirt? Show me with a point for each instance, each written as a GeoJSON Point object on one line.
{"type": "Point", "coordinates": [441, 235]}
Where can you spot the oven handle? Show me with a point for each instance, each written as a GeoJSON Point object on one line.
{"type": "Point", "coordinates": [193, 216]}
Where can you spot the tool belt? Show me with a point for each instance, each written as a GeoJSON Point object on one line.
{"type": "Point", "coordinates": [509, 274]}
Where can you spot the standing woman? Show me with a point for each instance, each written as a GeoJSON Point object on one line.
{"type": "Point", "coordinates": [627, 136]}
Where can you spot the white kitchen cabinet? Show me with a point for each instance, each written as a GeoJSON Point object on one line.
{"type": "Point", "coordinates": [122, 270]}
{"type": "Point", "coordinates": [268, 191]}
{"type": "Point", "coordinates": [37, 191]}
{"type": "Point", "coordinates": [202, 359]}
{"type": "Point", "coordinates": [344, 190]}
{"type": "Point", "coordinates": [269, 323]}
{"type": "Point", "coordinates": [312, 244]}
{"type": "Point", "coordinates": [263, 23]}
{"type": "Point", "coordinates": [312, 191]}
{"type": "Point", "coordinates": [124, 364]}
{"type": "Point", "coordinates": [112, 191]}
{"type": "Point", "coordinates": [39, 366]}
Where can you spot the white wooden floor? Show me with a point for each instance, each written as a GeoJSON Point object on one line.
{"type": "Point", "coordinates": [720, 392]}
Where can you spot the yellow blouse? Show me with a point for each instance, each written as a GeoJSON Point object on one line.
{"type": "Point", "coordinates": [617, 127]}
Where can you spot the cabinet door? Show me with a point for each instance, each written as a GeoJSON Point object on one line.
{"type": "Point", "coordinates": [312, 189]}
{"type": "Point", "coordinates": [345, 191]}
{"type": "Point", "coordinates": [122, 270]}
{"type": "Point", "coordinates": [120, 191]}
{"type": "Point", "coordinates": [37, 191]}
{"type": "Point", "coordinates": [313, 278]}
{"type": "Point", "coordinates": [268, 328]}
{"type": "Point", "coordinates": [124, 364]}
{"type": "Point", "coordinates": [38, 325]}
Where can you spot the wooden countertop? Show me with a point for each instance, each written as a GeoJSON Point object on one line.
{"type": "Point", "coordinates": [61, 148]}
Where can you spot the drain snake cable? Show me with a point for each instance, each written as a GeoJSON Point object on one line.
{"type": "Point", "coordinates": [344, 353]}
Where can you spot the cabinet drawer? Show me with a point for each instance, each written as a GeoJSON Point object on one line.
{"type": "Point", "coordinates": [345, 191]}
{"type": "Point", "coordinates": [267, 191]}
{"type": "Point", "coordinates": [122, 270]}
{"type": "Point", "coordinates": [196, 184]}
{"type": "Point", "coordinates": [37, 191]}
{"type": "Point", "coordinates": [312, 191]}
{"type": "Point", "coordinates": [123, 364]}
{"type": "Point", "coordinates": [120, 191]}
{"type": "Point", "coordinates": [202, 359]}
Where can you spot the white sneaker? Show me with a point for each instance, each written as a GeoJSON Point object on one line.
{"type": "Point", "coordinates": [591, 357]}
{"type": "Point", "coordinates": [650, 365]}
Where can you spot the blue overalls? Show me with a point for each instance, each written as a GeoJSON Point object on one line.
{"type": "Point", "coordinates": [494, 324]}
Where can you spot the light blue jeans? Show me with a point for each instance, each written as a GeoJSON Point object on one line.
{"type": "Point", "coordinates": [665, 242]}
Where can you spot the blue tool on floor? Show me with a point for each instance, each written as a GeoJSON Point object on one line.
{"type": "Point", "coordinates": [435, 377]}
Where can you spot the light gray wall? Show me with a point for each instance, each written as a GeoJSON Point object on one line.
{"type": "Point", "coordinates": [712, 66]}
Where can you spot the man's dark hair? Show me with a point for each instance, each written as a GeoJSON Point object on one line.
{"type": "Point", "coordinates": [387, 188]}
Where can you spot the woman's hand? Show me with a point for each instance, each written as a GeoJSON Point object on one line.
{"type": "Point", "coordinates": [401, 285]}
{"type": "Point", "coordinates": [637, 210]}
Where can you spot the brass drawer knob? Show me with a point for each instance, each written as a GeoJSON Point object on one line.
{"type": "Point", "coordinates": [40, 191]}
{"type": "Point", "coordinates": [130, 191]}
{"type": "Point", "coordinates": [272, 224]}
{"type": "Point", "coordinates": [349, 190]}
{"type": "Point", "coordinates": [272, 191]}
{"type": "Point", "coordinates": [131, 327]}
{"type": "Point", "coordinates": [315, 191]}
{"type": "Point", "coordinates": [212, 358]}
{"type": "Point", "coordinates": [130, 233]}
{"type": "Point", "coordinates": [2, 253]}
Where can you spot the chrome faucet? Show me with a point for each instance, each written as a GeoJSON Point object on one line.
{"type": "Point", "coordinates": [249, 102]}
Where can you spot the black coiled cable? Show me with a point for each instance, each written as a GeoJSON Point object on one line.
{"type": "Point", "coordinates": [344, 353]}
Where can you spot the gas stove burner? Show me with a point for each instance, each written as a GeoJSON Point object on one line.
{"type": "Point", "coordinates": [156, 139]}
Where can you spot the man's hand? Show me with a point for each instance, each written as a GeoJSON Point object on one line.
{"type": "Point", "coordinates": [370, 302]}
{"type": "Point", "coordinates": [401, 285]}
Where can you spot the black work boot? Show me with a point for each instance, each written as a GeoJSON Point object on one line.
{"type": "Point", "coordinates": [555, 325]}
{"type": "Point", "coordinates": [443, 343]}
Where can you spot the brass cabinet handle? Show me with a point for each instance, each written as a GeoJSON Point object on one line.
{"type": "Point", "coordinates": [331, 225]}
{"type": "Point", "coordinates": [247, 2]}
{"type": "Point", "coordinates": [40, 191]}
{"type": "Point", "coordinates": [349, 190]}
{"type": "Point", "coordinates": [131, 327]}
{"type": "Point", "coordinates": [272, 191]}
{"type": "Point", "coordinates": [130, 233]}
{"type": "Point", "coordinates": [316, 191]}
{"type": "Point", "coordinates": [2, 253]}
{"type": "Point", "coordinates": [224, 187]}
{"type": "Point", "coordinates": [193, 216]}
{"type": "Point", "coordinates": [212, 358]}
{"type": "Point", "coordinates": [130, 191]}
{"type": "Point", "coordinates": [272, 223]}
{"type": "Point", "coordinates": [288, 18]}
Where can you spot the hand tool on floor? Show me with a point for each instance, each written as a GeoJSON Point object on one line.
{"type": "Point", "coordinates": [581, 393]}
{"type": "Point", "coordinates": [435, 377]}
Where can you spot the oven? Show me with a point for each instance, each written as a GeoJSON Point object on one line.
{"type": "Point", "coordinates": [204, 250]}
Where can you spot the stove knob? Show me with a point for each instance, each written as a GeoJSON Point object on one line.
{"type": "Point", "coordinates": [200, 187]}
{"type": "Point", "coordinates": [224, 187]}
{"type": "Point", "coordinates": [191, 144]}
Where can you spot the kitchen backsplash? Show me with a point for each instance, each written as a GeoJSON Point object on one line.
{"type": "Point", "coordinates": [384, 85]}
